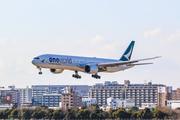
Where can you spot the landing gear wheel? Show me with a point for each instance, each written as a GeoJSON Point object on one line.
{"type": "Point", "coordinates": [96, 76]}
{"type": "Point", "coordinates": [40, 72]}
{"type": "Point", "coordinates": [76, 75]}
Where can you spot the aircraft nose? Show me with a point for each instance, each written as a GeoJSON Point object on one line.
{"type": "Point", "coordinates": [33, 62]}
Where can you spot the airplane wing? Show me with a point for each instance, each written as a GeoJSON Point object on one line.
{"type": "Point", "coordinates": [140, 64]}
{"type": "Point", "coordinates": [113, 64]}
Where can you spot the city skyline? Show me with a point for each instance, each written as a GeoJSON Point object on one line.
{"type": "Point", "coordinates": [100, 29]}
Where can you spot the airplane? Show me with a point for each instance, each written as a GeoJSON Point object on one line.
{"type": "Point", "coordinates": [90, 65]}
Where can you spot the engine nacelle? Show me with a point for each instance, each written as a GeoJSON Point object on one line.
{"type": "Point", "coordinates": [91, 69]}
{"type": "Point", "coordinates": [56, 71]}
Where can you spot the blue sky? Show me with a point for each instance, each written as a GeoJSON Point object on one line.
{"type": "Point", "coordinates": [93, 28]}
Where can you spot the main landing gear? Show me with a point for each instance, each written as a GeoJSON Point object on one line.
{"type": "Point", "coordinates": [76, 75]}
{"type": "Point", "coordinates": [96, 76]}
{"type": "Point", "coordinates": [40, 72]}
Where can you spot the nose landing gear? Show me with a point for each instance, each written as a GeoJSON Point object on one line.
{"type": "Point", "coordinates": [96, 76]}
{"type": "Point", "coordinates": [76, 75]}
{"type": "Point", "coordinates": [40, 72]}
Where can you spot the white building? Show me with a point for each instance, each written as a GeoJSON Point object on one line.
{"type": "Point", "coordinates": [88, 101]}
{"type": "Point", "coordinates": [148, 105]}
{"type": "Point", "coordinates": [173, 104]}
{"type": "Point", "coordinates": [25, 95]}
{"type": "Point", "coordinates": [115, 103]}
{"type": "Point", "coordinates": [5, 106]}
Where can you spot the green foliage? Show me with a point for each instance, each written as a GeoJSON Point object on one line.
{"type": "Point", "coordinates": [83, 114]}
{"type": "Point", "coordinates": [178, 108]}
{"type": "Point", "coordinates": [94, 116]}
{"type": "Point", "coordinates": [70, 115]}
{"type": "Point", "coordinates": [133, 109]}
{"type": "Point", "coordinates": [110, 112]}
{"type": "Point", "coordinates": [145, 114]}
{"type": "Point", "coordinates": [100, 115]}
{"type": "Point", "coordinates": [14, 114]}
{"type": "Point", "coordinates": [26, 113]}
{"type": "Point", "coordinates": [135, 115]}
{"type": "Point", "coordinates": [91, 112]}
{"type": "Point", "coordinates": [158, 114]}
{"type": "Point", "coordinates": [105, 115]}
{"type": "Point", "coordinates": [58, 114]}
{"type": "Point", "coordinates": [41, 107]}
{"type": "Point", "coordinates": [38, 113]}
{"type": "Point", "coordinates": [1, 114]}
{"type": "Point", "coordinates": [121, 108]}
{"type": "Point", "coordinates": [121, 113]}
{"type": "Point", "coordinates": [84, 107]}
{"type": "Point", "coordinates": [7, 113]}
{"type": "Point", "coordinates": [49, 113]}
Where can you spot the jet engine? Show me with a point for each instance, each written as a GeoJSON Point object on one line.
{"type": "Point", "coordinates": [91, 69]}
{"type": "Point", "coordinates": [56, 71]}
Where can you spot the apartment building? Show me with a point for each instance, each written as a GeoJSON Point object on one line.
{"type": "Point", "coordinates": [39, 90]}
{"type": "Point", "coordinates": [70, 99]}
{"type": "Point", "coordinates": [164, 93]}
{"type": "Point", "coordinates": [174, 95]}
{"type": "Point", "coordinates": [141, 93]}
{"type": "Point", "coordinates": [11, 95]}
{"type": "Point", "coordinates": [25, 96]}
{"type": "Point", "coordinates": [51, 100]}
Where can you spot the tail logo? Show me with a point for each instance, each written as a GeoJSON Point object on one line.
{"type": "Point", "coordinates": [128, 54]}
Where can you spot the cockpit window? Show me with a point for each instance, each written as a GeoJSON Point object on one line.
{"type": "Point", "coordinates": [36, 58]}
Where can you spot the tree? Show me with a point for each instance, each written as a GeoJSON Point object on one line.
{"type": "Point", "coordinates": [6, 113]}
{"type": "Point", "coordinates": [49, 113]}
{"type": "Point", "coordinates": [70, 115]}
{"type": "Point", "coordinates": [14, 114]}
{"type": "Point", "coordinates": [1, 114]}
{"type": "Point", "coordinates": [178, 108]}
{"type": "Point", "coordinates": [84, 107]}
{"type": "Point", "coordinates": [121, 114]}
{"type": "Point", "coordinates": [158, 114]}
{"type": "Point", "coordinates": [74, 110]}
{"type": "Point", "coordinates": [105, 115]}
{"type": "Point", "coordinates": [58, 114]}
{"type": "Point", "coordinates": [93, 116]}
{"type": "Point", "coordinates": [100, 116]}
{"type": "Point", "coordinates": [39, 114]}
{"type": "Point", "coordinates": [26, 113]}
{"type": "Point", "coordinates": [110, 112]}
{"type": "Point", "coordinates": [133, 109]}
{"type": "Point", "coordinates": [145, 114]}
{"type": "Point", "coordinates": [83, 114]}
{"type": "Point", "coordinates": [135, 115]}
{"type": "Point", "coordinates": [41, 107]}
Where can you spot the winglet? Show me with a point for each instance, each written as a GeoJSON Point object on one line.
{"type": "Point", "coordinates": [127, 54]}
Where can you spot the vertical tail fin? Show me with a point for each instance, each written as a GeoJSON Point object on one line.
{"type": "Point", "coordinates": [127, 54]}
